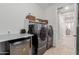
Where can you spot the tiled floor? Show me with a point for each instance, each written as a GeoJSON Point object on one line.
{"type": "Point", "coordinates": [66, 47]}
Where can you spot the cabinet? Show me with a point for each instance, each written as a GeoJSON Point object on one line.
{"type": "Point", "coordinates": [20, 47]}
{"type": "Point", "coordinates": [4, 48]}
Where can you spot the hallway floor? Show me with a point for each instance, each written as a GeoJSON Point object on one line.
{"type": "Point", "coordinates": [66, 46]}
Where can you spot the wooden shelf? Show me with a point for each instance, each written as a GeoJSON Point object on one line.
{"type": "Point", "coordinates": [38, 22]}
{"type": "Point", "coordinates": [32, 19]}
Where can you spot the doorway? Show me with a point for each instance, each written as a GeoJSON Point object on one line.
{"type": "Point", "coordinates": [67, 28]}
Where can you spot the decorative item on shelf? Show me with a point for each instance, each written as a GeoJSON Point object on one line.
{"type": "Point", "coordinates": [39, 19]}
{"type": "Point", "coordinates": [30, 17]}
{"type": "Point", "coordinates": [22, 31]}
{"type": "Point", "coordinates": [42, 21]}
{"type": "Point", "coordinates": [46, 21]}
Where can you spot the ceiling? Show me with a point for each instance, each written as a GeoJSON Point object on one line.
{"type": "Point", "coordinates": [44, 5]}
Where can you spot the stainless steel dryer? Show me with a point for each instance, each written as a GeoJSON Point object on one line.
{"type": "Point", "coordinates": [50, 37]}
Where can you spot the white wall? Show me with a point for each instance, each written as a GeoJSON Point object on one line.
{"type": "Point", "coordinates": [12, 16]}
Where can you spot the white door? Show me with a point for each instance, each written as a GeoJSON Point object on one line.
{"type": "Point", "coordinates": [67, 27]}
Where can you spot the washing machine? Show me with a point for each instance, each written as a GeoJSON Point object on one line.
{"type": "Point", "coordinates": [50, 37]}
{"type": "Point", "coordinates": [39, 40]}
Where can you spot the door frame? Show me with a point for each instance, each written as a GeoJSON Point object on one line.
{"type": "Point", "coordinates": [76, 18]}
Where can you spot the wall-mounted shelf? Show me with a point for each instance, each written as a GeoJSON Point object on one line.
{"type": "Point", "coordinates": [37, 22]}
{"type": "Point", "coordinates": [33, 19]}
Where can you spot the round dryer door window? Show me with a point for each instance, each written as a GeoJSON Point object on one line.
{"type": "Point", "coordinates": [43, 33]}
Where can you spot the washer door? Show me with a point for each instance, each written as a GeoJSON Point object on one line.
{"type": "Point", "coordinates": [43, 33]}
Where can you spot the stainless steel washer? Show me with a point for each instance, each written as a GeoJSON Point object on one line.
{"type": "Point", "coordinates": [39, 40]}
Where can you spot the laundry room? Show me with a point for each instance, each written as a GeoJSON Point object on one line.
{"type": "Point", "coordinates": [38, 28]}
